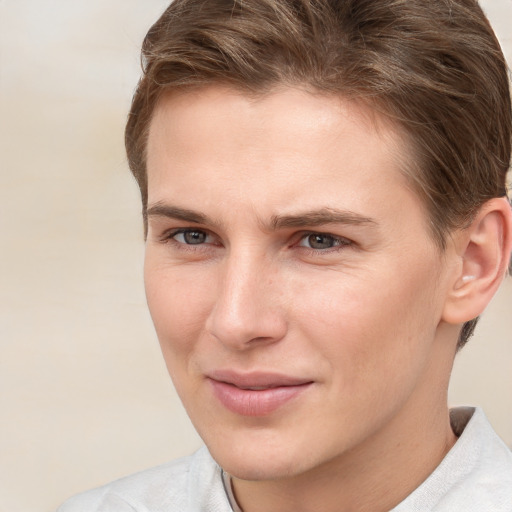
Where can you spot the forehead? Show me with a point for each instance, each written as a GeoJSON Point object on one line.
{"type": "Point", "coordinates": [275, 151]}
{"type": "Point", "coordinates": [298, 111]}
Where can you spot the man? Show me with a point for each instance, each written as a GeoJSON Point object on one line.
{"type": "Point", "coordinates": [324, 198]}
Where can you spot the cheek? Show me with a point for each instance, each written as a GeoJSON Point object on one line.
{"type": "Point", "coordinates": [370, 329]}
{"type": "Point", "coordinates": [179, 302]}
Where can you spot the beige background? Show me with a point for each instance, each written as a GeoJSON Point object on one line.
{"type": "Point", "coordinates": [84, 395]}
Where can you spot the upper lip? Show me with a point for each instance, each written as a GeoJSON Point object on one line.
{"type": "Point", "coordinates": [256, 379]}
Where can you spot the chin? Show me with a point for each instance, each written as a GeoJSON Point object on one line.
{"type": "Point", "coordinates": [260, 457]}
{"type": "Point", "coordinates": [264, 469]}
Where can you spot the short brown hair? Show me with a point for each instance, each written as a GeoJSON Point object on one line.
{"type": "Point", "coordinates": [435, 68]}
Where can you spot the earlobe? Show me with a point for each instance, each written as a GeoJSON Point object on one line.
{"type": "Point", "coordinates": [484, 251]}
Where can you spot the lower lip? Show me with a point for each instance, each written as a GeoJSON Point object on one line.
{"type": "Point", "coordinates": [248, 402]}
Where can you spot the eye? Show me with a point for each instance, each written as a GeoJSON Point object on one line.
{"type": "Point", "coordinates": [322, 241]}
{"type": "Point", "coordinates": [191, 236]}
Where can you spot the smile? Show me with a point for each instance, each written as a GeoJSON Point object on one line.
{"type": "Point", "coordinates": [255, 394]}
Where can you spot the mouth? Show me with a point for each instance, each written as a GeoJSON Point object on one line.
{"type": "Point", "coordinates": [255, 394]}
{"type": "Point", "coordinates": [255, 388]}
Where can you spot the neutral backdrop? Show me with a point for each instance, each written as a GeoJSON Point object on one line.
{"type": "Point", "coordinates": [84, 394]}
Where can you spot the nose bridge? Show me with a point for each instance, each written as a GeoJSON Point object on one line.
{"type": "Point", "coordinates": [247, 303]}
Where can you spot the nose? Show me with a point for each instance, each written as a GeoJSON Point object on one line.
{"type": "Point", "coordinates": [247, 310]}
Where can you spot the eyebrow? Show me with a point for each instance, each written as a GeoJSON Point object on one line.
{"type": "Point", "coordinates": [320, 217]}
{"type": "Point", "coordinates": [310, 218]}
{"type": "Point", "coordinates": [173, 212]}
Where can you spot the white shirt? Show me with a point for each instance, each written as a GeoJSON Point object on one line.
{"type": "Point", "coordinates": [475, 476]}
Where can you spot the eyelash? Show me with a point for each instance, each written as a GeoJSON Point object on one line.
{"type": "Point", "coordinates": [340, 243]}
{"type": "Point", "coordinates": [170, 237]}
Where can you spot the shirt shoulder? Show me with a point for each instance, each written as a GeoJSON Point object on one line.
{"type": "Point", "coordinates": [475, 475]}
{"type": "Point", "coordinates": [188, 484]}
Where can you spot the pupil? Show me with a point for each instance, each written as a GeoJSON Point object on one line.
{"type": "Point", "coordinates": [320, 241]}
{"type": "Point", "coordinates": [194, 237]}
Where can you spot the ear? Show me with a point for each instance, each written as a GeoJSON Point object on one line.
{"type": "Point", "coordinates": [483, 254]}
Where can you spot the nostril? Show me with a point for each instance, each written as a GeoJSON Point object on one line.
{"type": "Point", "coordinates": [244, 330]}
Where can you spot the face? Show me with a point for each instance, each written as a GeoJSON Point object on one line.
{"type": "Point", "coordinates": [294, 288]}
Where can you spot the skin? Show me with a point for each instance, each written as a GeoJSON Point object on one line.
{"type": "Point", "coordinates": [357, 309]}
